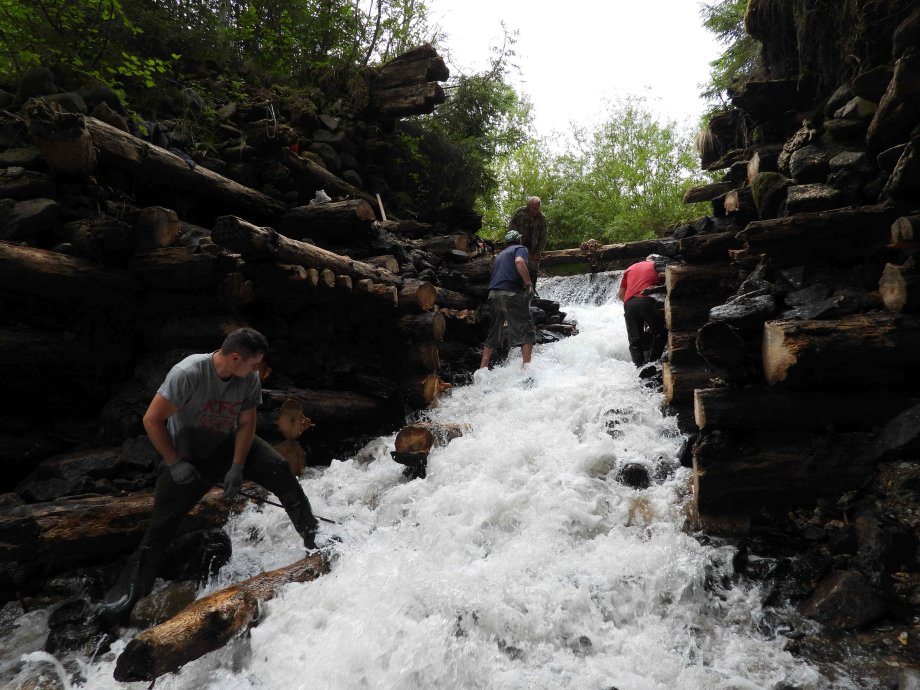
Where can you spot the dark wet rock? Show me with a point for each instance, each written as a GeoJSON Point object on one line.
{"type": "Point", "coordinates": [842, 540]}
{"type": "Point", "coordinates": [189, 99]}
{"type": "Point", "coordinates": [41, 491]}
{"type": "Point", "coordinates": [807, 295]}
{"type": "Point", "coordinates": [23, 157]}
{"type": "Point", "coordinates": [634, 475]}
{"type": "Point", "coordinates": [98, 94]}
{"type": "Point", "coordinates": [19, 183]}
{"type": "Point", "coordinates": [857, 109]}
{"type": "Point", "coordinates": [20, 220]}
{"type": "Point", "coordinates": [35, 81]}
{"type": "Point", "coordinates": [10, 500]}
{"type": "Point", "coordinates": [873, 83]}
{"type": "Point", "coordinates": [197, 556]}
{"type": "Point", "coordinates": [900, 436]}
{"type": "Point", "coordinates": [769, 192]}
{"type": "Point", "coordinates": [745, 310]}
{"type": "Point", "coordinates": [843, 129]}
{"type": "Point", "coordinates": [838, 99]}
{"type": "Point", "coordinates": [810, 163]}
{"type": "Point", "coordinates": [806, 198]}
{"type": "Point", "coordinates": [328, 154]}
{"type": "Point", "coordinates": [352, 177]}
{"type": "Point", "coordinates": [105, 113]}
{"type": "Point", "coordinates": [162, 605]}
{"type": "Point", "coordinates": [858, 161]}
{"type": "Point", "coordinates": [843, 601]}
{"type": "Point", "coordinates": [74, 627]}
{"type": "Point", "coordinates": [71, 102]}
{"type": "Point", "coordinates": [882, 547]}
{"type": "Point", "coordinates": [324, 136]}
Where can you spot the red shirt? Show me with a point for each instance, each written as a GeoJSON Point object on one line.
{"type": "Point", "coordinates": [638, 277]}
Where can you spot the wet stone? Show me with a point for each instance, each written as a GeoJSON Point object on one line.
{"type": "Point", "coordinates": [160, 606]}
{"type": "Point", "coordinates": [843, 601]}
{"type": "Point", "coordinates": [634, 475]}
{"type": "Point", "coordinates": [810, 163]}
{"type": "Point", "coordinates": [805, 198]}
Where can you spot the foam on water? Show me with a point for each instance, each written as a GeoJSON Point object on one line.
{"type": "Point", "coordinates": [519, 562]}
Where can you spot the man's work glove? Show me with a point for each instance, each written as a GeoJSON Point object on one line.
{"type": "Point", "coordinates": [233, 480]}
{"type": "Point", "coordinates": [530, 291]}
{"type": "Point", "coordinates": [183, 472]}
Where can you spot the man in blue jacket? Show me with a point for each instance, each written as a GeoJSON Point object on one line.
{"type": "Point", "coordinates": [510, 292]}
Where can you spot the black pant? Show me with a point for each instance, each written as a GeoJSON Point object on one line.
{"type": "Point", "coordinates": [173, 501]}
{"type": "Point", "coordinates": [640, 311]}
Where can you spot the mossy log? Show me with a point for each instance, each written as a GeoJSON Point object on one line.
{"type": "Point", "coordinates": [209, 623]}
{"type": "Point", "coordinates": [424, 391]}
{"type": "Point", "coordinates": [265, 244]}
{"type": "Point", "coordinates": [706, 192]}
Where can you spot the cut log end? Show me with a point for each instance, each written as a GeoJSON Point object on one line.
{"type": "Point", "coordinates": [778, 357]}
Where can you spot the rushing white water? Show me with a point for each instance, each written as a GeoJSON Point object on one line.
{"type": "Point", "coordinates": [520, 562]}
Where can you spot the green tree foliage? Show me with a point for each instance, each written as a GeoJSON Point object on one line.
{"type": "Point", "coordinates": [621, 181]}
{"type": "Point", "coordinates": [741, 57]}
{"type": "Point", "coordinates": [450, 155]}
{"type": "Point", "coordinates": [118, 40]}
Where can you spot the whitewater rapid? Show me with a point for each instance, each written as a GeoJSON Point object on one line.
{"type": "Point", "coordinates": [519, 562]}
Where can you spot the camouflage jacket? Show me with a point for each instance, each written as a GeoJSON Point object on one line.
{"type": "Point", "coordinates": [533, 230]}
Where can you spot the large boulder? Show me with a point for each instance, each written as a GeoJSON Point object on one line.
{"type": "Point", "coordinates": [844, 601]}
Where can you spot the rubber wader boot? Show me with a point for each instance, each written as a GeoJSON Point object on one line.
{"type": "Point", "coordinates": [298, 509]}
{"type": "Point", "coordinates": [134, 582]}
{"type": "Point", "coordinates": [638, 356]}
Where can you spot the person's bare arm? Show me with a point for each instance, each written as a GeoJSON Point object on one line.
{"type": "Point", "coordinates": [521, 267]}
{"type": "Point", "coordinates": [245, 433]}
{"type": "Point", "coordinates": [158, 412]}
{"type": "Point", "coordinates": [622, 291]}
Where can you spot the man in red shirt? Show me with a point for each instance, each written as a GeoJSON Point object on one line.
{"type": "Point", "coordinates": [640, 310]}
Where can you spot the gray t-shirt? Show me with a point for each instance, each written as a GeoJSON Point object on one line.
{"type": "Point", "coordinates": [208, 406]}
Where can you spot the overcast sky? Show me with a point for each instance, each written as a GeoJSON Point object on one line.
{"type": "Point", "coordinates": [574, 54]}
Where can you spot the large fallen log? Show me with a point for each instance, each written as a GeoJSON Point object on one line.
{"type": "Point", "coordinates": [324, 407]}
{"type": "Point", "coordinates": [877, 349]}
{"type": "Point", "coordinates": [209, 623]}
{"type": "Point", "coordinates": [126, 152]}
{"type": "Point", "coordinates": [607, 256]}
{"type": "Point", "coordinates": [317, 177]}
{"type": "Point", "coordinates": [752, 409]}
{"type": "Point", "coordinates": [905, 229]}
{"type": "Point", "coordinates": [340, 222]}
{"type": "Point", "coordinates": [449, 299]}
{"type": "Point", "coordinates": [61, 278]}
{"type": "Point", "coordinates": [692, 281]}
{"type": "Point", "coordinates": [89, 528]}
{"type": "Point", "coordinates": [444, 245]}
{"type": "Point", "coordinates": [776, 471]}
{"type": "Point", "coordinates": [265, 244]}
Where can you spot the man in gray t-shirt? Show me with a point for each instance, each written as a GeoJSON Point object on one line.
{"type": "Point", "coordinates": [202, 419]}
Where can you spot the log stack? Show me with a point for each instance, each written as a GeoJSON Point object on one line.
{"type": "Point", "coordinates": [810, 350]}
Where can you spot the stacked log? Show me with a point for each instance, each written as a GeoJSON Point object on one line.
{"type": "Point", "coordinates": [408, 84]}
{"type": "Point", "coordinates": [692, 290]}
